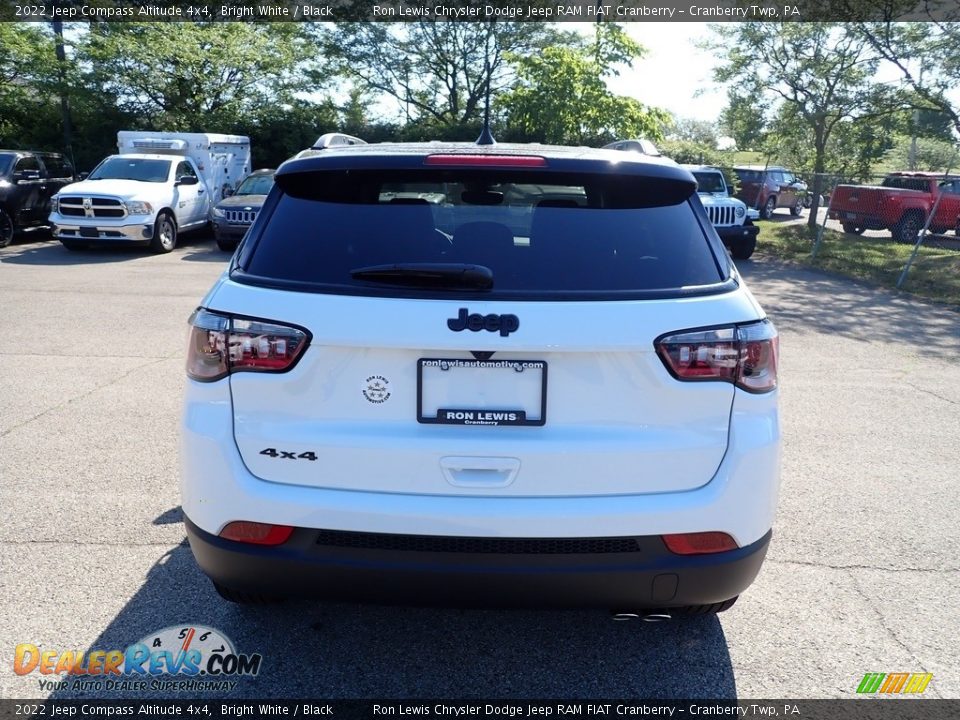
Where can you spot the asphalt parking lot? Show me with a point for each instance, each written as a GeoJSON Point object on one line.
{"type": "Point", "coordinates": [862, 575]}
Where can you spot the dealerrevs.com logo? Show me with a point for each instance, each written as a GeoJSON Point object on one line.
{"type": "Point", "coordinates": [179, 657]}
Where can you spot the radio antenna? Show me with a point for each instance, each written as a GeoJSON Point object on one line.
{"type": "Point", "coordinates": [486, 136]}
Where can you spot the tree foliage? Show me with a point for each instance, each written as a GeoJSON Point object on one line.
{"type": "Point", "coordinates": [436, 72]}
{"type": "Point", "coordinates": [203, 76]}
{"type": "Point", "coordinates": [561, 95]}
{"type": "Point", "coordinates": [817, 75]}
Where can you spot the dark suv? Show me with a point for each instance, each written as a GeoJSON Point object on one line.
{"type": "Point", "coordinates": [234, 215]}
{"type": "Point", "coordinates": [27, 182]}
{"type": "Point", "coordinates": [769, 188]}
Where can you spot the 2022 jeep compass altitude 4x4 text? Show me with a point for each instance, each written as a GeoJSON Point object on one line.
{"type": "Point", "coordinates": [482, 375]}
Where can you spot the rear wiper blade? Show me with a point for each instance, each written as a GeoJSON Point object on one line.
{"type": "Point", "coordinates": [447, 275]}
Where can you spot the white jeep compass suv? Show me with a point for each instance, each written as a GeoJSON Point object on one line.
{"type": "Point", "coordinates": [482, 375]}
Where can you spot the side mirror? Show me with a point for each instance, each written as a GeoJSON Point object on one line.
{"type": "Point", "coordinates": [83, 175]}
{"type": "Point", "coordinates": [187, 180]}
{"type": "Point", "coordinates": [227, 191]}
{"type": "Point", "coordinates": [730, 191]}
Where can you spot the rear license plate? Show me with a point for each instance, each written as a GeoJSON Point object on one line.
{"type": "Point", "coordinates": [481, 392]}
{"type": "Point", "coordinates": [89, 232]}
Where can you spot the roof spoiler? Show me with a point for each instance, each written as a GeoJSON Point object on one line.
{"type": "Point", "coordinates": [333, 139]}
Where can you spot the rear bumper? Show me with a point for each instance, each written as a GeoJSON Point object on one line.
{"type": "Point", "coordinates": [869, 222]}
{"type": "Point", "coordinates": [369, 567]}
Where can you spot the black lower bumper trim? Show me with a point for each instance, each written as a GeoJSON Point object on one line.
{"type": "Point", "coordinates": [651, 577]}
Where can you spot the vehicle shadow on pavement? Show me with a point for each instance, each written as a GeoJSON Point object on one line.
{"type": "Point", "coordinates": [338, 651]}
{"type": "Point", "coordinates": [51, 252]}
{"type": "Point", "coordinates": [798, 297]}
{"type": "Point", "coordinates": [208, 254]}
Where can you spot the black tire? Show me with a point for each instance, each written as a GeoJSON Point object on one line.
{"type": "Point", "coordinates": [808, 201]}
{"type": "Point", "coordinates": [6, 229]}
{"type": "Point", "coordinates": [164, 233]}
{"type": "Point", "coordinates": [908, 229]}
{"type": "Point", "coordinates": [700, 610]}
{"type": "Point", "coordinates": [852, 229]}
{"type": "Point", "coordinates": [74, 246]}
{"type": "Point", "coordinates": [766, 212]}
{"type": "Point", "coordinates": [241, 597]}
{"type": "Point", "coordinates": [226, 244]}
{"type": "Point", "coordinates": [797, 208]}
{"type": "Point", "coordinates": [742, 248]}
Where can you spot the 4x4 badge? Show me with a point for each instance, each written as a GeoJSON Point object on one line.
{"type": "Point", "coordinates": [476, 322]}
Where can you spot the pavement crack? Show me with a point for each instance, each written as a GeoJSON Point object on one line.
{"type": "Point", "coordinates": [80, 543]}
{"type": "Point", "coordinates": [887, 628]}
{"type": "Point", "coordinates": [87, 394]}
{"type": "Point", "coordinates": [809, 563]}
{"type": "Point", "coordinates": [934, 394]}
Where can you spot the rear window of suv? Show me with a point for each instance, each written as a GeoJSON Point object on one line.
{"type": "Point", "coordinates": [540, 235]}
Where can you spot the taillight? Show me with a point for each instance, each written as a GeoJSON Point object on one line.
{"type": "Point", "coordinates": [256, 533]}
{"type": "Point", "coordinates": [221, 344]}
{"type": "Point", "coordinates": [745, 355]}
{"type": "Point", "coordinates": [487, 160]}
{"type": "Point", "coordinates": [702, 543]}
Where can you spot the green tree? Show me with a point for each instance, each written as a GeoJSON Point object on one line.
{"type": "Point", "coordinates": [198, 76]}
{"type": "Point", "coordinates": [925, 54]}
{"type": "Point", "coordinates": [821, 72]}
{"type": "Point", "coordinates": [698, 132]}
{"type": "Point", "coordinates": [436, 72]}
{"type": "Point", "coordinates": [561, 95]}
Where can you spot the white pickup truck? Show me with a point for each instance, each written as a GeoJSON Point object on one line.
{"type": "Point", "coordinates": [160, 185]}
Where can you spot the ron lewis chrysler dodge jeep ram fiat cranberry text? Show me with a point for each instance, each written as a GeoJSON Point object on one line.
{"type": "Point", "coordinates": [469, 374]}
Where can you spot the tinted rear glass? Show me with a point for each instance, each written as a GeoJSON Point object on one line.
{"type": "Point", "coordinates": [907, 183]}
{"type": "Point", "coordinates": [749, 175]}
{"type": "Point", "coordinates": [541, 235]}
{"type": "Point", "coordinates": [6, 162]}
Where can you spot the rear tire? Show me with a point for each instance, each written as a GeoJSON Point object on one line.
{"type": "Point", "coordinates": [700, 610]}
{"type": "Point", "coordinates": [766, 212]}
{"type": "Point", "coordinates": [74, 246]}
{"type": "Point", "coordinates": [241, 597]}
{"type": "Point", "coordinates": [164, 233]}
{"type": "Point", "coordinates": [908, 229]}
{"type": "Point", "coordinates": [852, 229]}
{"type": "Point", "coordinates": [742, 248]}
{"type": "Point", "coordinates": [6, 229]}
{"type": "Point", "coordinates": [797, 208]}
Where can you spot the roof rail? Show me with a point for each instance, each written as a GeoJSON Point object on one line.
{"type": "Point", "coordinates": [333, 139]}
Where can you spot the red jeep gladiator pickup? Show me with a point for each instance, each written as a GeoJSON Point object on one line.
{"type": "Point", "coordinates": [901, 204]}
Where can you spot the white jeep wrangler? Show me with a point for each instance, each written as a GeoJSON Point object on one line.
{"type": "Point", "coordinates": [730, 217]}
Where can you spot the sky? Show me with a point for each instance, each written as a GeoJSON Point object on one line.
{"type": "Point", "coordinates": [675, 75]}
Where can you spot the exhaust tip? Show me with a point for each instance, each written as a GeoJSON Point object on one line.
{"type": "Point", "coordinates": [622, 616]}
{"type": "Point", "coordinates": [658, 616]}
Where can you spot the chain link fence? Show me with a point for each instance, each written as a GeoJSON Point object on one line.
{"type": "Point", "coordinates": [898, 229]}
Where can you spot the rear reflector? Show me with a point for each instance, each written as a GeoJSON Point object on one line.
{"type": "Point", "coordinates": [487, 160]}
{"type": "Point", "coordinates": [704, 543]}
{"type": "Point", "coordinates": [220, 344]}
{"type": "Point", "coordinates": [256, 533]}
{"type": "Point", "coordinates": [746, 355]}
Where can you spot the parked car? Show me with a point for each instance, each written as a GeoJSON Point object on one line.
{"type": "Point", "coordinates": [161, 184]}
{"type": "Point", "coordinates": [368, 412]}
{"type": "Point", "coordinates": [28, 180]}
{"type": "Point", "coordinates": [639, 145]}
{"type": "Point", "coordinates": [234, 215]}
{"type": "Point", "coordinates": [901, 204]}
{"type": "Point", "coordinates": [730, 217]}
{"type": "Point", "coordinates": [769, 188]}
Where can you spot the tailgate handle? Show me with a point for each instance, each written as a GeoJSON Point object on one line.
{"type": "Point", "coordinates": [475, 472]}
